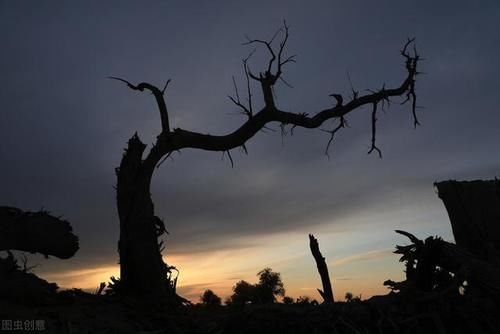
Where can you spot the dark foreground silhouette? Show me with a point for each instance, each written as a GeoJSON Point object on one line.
{"type": "Point", "coordinates": [449, 288]}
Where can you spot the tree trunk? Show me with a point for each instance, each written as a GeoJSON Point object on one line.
{"type": "Point", "coordinates": [327, 292]}
{"type": "Point", "coordinates": [474, 211]}
{"type": "Point", "coordinates": [142, 270]}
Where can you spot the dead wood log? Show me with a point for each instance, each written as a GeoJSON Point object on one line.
{"type": "Point", "coordinates": [327, 292]}
{"type": "Point", "coordinates": [36, 232]}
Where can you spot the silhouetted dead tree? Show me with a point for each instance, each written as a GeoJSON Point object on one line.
{"type": "Point", "coordinates": [36, 232]}
{"type": "Point", "coordinates": [143, 271]}
{"type": "Point", "coordinates": [327, 292]}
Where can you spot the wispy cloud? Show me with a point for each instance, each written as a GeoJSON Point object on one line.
{"type": "Point", "coordinates": [368, 256]}
{"type": "Point", "coordinates": [85, 278]}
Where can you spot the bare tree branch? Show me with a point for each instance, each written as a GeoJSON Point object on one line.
{"type": "Point", "coordinates": [339, 98]}
{"type": "Point", "coordinates": [237, 101]}
{"type": "Point", "coordinates": [180, 138]}
{"type": "Point", "coordinates": [244, 149]}
{"type": "Point", "coordinates": [342, 124]}
{"type": "Point", "coordinates": [268, 79]}
{"type": "Point", "coordinates": [290, 59]}
{"type": "Point", "coordinates": [230, 158]}
{"type": "Point", "coordinates": [354, 92]}
{"type": "Point", "coordinates": [269, 48]}
{"type": "Point", "coordinates": [247, 77]}
{"type": "Point", "coordinates": [246, 110]}
{"type": "Point", "coordinates": [411, 61]}
{"type": "Point", "coordinates": [184, 138]}
{"type": "Point", "coordinates": [158, 94]}
{"type": "Point", "coordinates": [374, 131]}
{"type": "Point", "coordinates": [168, 155]}
{"type": "Point", "coordinates": [285, 82]}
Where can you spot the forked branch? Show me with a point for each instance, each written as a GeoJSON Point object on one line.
{"type": "Point", "coordinates": [247, 110]}
{"type": "Point", "coordinates": [374, 132]}
{"type": "Point", "coordinates": [267, 78]}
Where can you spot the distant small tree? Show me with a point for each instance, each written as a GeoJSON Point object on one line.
{"type": "Point", "coordinates": [287, 300]}
{"type": "Point", "coordinates": [349, 297]}
{"type": "Point", "coordinates": [306, 300]}
{"type": "Point", "coordinates": [270, 285]}
{"type": "Point", "coordinates": [265, 292]}
{"type": "Point", "coordinates": [209, 298]}
{"type": "Point", "coordinates": [244, 292]}
{"type": "Point", "coordinates": [303, 300]}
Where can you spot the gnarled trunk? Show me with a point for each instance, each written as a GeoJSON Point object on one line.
{"type": "Point", "coordinates": [142, 270]}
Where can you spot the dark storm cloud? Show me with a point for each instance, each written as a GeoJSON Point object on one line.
{"type": "Point", "coordinates": [63, 124]}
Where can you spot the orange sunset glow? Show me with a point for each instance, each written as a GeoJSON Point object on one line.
{"type": "Point", "coordinates": [362, 273]}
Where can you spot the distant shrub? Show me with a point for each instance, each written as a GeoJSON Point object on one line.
{"type": "Point", "coordinates": [209, 298]}
{"type": "Point", "coordinates": [287, 300]}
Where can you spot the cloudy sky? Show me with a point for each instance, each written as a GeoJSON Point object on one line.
{"type": "Point", "coordinates": [64, 126]}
